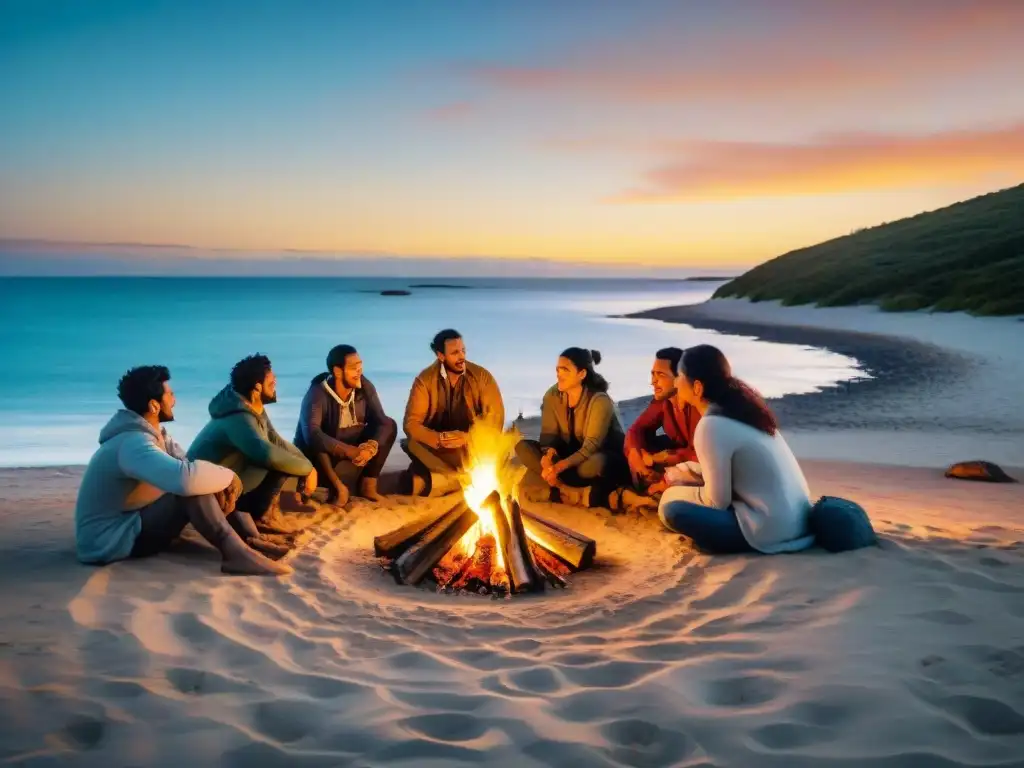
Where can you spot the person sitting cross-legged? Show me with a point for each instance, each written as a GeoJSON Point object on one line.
{"type": "Point", "coordinates": [661, 436]}
{"type": "Point", "coordinates": [241, 437]}
{"type": "Point", "coordinates": [747, 492]}
{"type": "Point", "coordinates": [445, 400]}
{"type": "Point", "coordinates": [578, 459]}
{"type": "Point", "coordinates": [343, 429]}
{"type": "Point", "coordinates": [139, 490]}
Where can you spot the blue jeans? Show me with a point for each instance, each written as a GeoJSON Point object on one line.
{"type": "Point", "coordinates": [711, 529]}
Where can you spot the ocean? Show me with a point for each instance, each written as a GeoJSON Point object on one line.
{"type": "Point", "coordinates": [66, 342]}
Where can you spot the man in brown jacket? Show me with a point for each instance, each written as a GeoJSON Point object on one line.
{"type": "Point", "coordinates": [445, 400]}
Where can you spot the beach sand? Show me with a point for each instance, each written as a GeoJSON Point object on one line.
{"type": "Point", "coordinates": [909, 654]}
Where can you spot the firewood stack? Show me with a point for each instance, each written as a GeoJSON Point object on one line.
{"type": "Point", "coordinates": [537, 553]}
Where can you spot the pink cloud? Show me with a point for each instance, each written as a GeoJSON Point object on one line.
{"type": "Point", "coordinates": [852, 162]}
{"type": "Point", "coordinates": [828, 50]}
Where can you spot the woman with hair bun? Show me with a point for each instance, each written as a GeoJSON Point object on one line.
{"type": "Point", "coordinates": [754, 495]}
{"type": "Point", "coordinates": [578, 458]}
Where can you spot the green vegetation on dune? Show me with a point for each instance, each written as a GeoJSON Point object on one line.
{"type": "Point", "coordinates": [966, 257]}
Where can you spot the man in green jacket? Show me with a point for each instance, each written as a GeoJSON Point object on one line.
{"type": "Point", "coordinates": [240, 436]}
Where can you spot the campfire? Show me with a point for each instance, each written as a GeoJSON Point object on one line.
{"type": "Point", "coordinates": [485, 542]}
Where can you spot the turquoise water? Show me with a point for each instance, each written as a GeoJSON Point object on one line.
{"type": "Point", "coordinates": [66, 341]}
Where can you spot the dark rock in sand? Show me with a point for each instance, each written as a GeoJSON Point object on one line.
{"type": "Point", "coordinates": [395, 292]}
{"type": "Point", "coordinates": [984, 471]}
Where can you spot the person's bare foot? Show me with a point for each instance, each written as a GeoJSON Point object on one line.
{"type": "Point", "coordinates": [368, 489]}
{"type": "Point", "coordinates": [631, 501]}
{"type": "Point", "coordinates": [267, 547]}
{"type": "Point", "coordinates": [281, 539]}
{"type": "Point", "coordinates": [338, 496]}
{"type": "Point", "coordinates": [574, 497]}
{"type": "Point", "coordinates": [240, 559]}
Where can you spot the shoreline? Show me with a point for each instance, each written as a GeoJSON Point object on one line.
{"type": "Point", "coordinates": [941, 387]}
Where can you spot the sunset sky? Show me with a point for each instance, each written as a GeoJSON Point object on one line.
{"type": "Point", "coordinates": [683, 133]}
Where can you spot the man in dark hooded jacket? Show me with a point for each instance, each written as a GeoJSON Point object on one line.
{"type": "Point", "coordinates": [239, 436]}
{"type": "Point", "coordinates": [343, 429]}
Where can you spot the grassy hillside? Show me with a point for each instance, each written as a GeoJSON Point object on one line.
{"type": "Point", "coordinates": [969, 256]}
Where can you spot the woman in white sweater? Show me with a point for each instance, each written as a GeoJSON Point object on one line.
{"type": "Point", "coordinates": [746, 491]}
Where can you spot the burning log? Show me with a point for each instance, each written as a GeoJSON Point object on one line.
{"type": "Point", "coordinates": [434, 543]}
{"type": "Point", "coordinates": [477, 573]}
{"type": "Point", "coordinates": [574, 548]}
{"type": "Point", "coordinates": [551, 566]}
{"type": "Point", "coordinates": [499, 580]}
{"type": "Point", "coordinates": [449, 567]}
{"type": "Point", "coordinates": [395, 542]}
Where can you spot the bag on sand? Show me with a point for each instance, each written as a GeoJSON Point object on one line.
{"type": "Point", "coordinates": [840, 525]}
{"type": "Point", "coordinates": [984, 471]}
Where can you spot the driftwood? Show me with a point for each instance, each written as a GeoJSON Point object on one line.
{"type": "Point", "coordinates": [394, 543]}
{"type": "Point", "coordinates": [418, 559]}
{"type": "Point", "coordinates": [574, 548]}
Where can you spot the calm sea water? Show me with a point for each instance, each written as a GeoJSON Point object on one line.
{"type": "Point", "coordinates": [66, 341]}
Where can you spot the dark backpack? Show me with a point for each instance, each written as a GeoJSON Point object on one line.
{"type": "Point", "coordinates": [840, 525]}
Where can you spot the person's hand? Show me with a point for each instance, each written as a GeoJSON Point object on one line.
{"type": "Point", "coordinates": [229, 496]}
{"type": "Point", "coordinates": [636, 465]}
{"type": "Point", "coordinates": [551, 474]}
{"type": "Point", "coordinates": [657, 487]}
{"type": "Point", "coordinates": [366, 452]}
{"type": "Point", "coordinates": [662, 457]}
{"type": "Point", "coordinates": [646, 458]}
{"type": "Point", "coordinates": [310, 485]}
{"type": "Point", "coordinates": [548, 458]}
{"type": "Point", "coordinates": [454, 439]}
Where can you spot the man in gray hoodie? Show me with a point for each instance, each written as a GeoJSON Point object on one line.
{"type": "Point", "coordinates": [139, 490]}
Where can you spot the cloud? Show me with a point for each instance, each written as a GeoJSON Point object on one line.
{"type": "Point", "coordinates": [816, 51]}
{"type": "Point", "coordinates": [843, 163]}
{"type": "Point", "coordinates": [452, 111]}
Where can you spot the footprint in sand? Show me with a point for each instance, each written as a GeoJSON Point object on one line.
{"type": "Point", "coordinates": [947, 617]}
{"type": "Point", "coordinates": [988, 716]}
{"type": "Point", "coordinates": [198, 681]}
{"type": "Point", "coordinates": [535, 680]}
{"type": "Point", "coordinates": [745, 691]}
{"type": "Point", "coordinates": [287, 720]}
{"type": "Point", "coordinates": [785, 736]}
{"type": "Point", "coordinates": [85, 732]}
{"type": "Point", "coordinates": [642, 743]}
{"type": "Point", "coordinates": [446, 726]}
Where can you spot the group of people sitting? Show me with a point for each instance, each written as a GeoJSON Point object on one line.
{"type": "Point", "coordinates": [706, 453]}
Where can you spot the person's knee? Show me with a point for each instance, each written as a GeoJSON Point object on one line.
{"type": "Point", "coordinates": [677, 516]}
{"type": "Point", "coordinates": [593, 468]}
{"type": "Point", "coordinates": [388, 433]}
{"type": "Point", "coordinates": [525, 449]}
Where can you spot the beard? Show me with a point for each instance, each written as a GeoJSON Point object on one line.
{"type": "Point", "coordinates": [458, 369]}
{"type": "Point", "coordinates": [268, 399]}
{"type": "Point", "coordinates": [165, 416]}
{"type": "Point", "coordinates": [352, 384]}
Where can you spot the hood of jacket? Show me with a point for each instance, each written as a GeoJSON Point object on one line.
{"type": "Point", "coordinates": [128, 421]}
{"type": "Point", "coordinates": [227, 402]}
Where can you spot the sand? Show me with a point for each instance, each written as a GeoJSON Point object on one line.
{"type": "Point", "coordinates": [909, 654]}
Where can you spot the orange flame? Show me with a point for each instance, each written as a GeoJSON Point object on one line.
{"type": "Point", "coordinates": [488, 468]}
